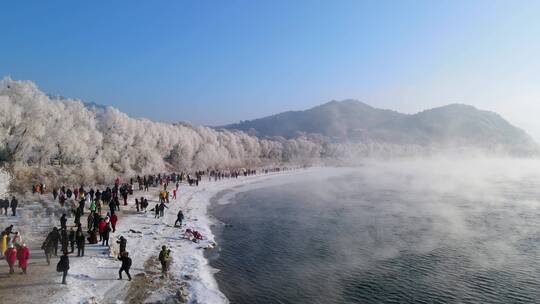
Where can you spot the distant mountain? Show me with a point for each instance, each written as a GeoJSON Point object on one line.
{"type": "Point", "coordinates": [354, 121]}
{"type": "Point", "coordinates": [335, 119]}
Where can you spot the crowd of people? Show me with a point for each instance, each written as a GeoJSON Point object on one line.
{"type": "Point", "coordinates": [101, 207]}
{"type": "Point", "coordinates": [13, 249]}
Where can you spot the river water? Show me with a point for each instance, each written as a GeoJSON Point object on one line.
{"type": "Point", "coordinates": [385, 233]}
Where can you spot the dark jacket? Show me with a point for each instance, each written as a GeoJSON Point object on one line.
{"type": "Point", "coordinates": [63, 264]}
{"type": "Point", "coordinates": [126, 262]}
{"type": "Point", "coordinates": [72, 235]}
{"type": "Point", "coordinates": [80, 239]}
{"type": "Point", "coordinates": [106, 231]}
{"type": "Point", "coordinates": [14, 203]}
{"type": "Point", "coordinates": [123, 242]}
{"type": "Point", "coordinates": [63, 221]}
{"type": "Point", "coordinates": [54, 236]}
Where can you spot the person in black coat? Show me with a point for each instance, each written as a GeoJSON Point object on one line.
{"type": "Point", "coordinates": [126, 265]}
{"type": "Point", "coordinates": [63, 266]}
{"type": "Point", "coordinates": [78, 214]}
{"type": "Point", "coordinates": [179, 218]}
{"type": "Point", "coordinates": [106, 231]}
{"type": "Point", "coordinates": [81, 206]}
{"type": "Point", "coordinates": [63, 221]}
{"type": "Point", "coordinates": [72, 239]}
{"type": "Point", "coordinates": [79, 238]}
{"type": "Point", "coordinates": [112, 206]}
{"type": "Point", "coordinates": [64, 240]}
{"type": "Point", "coordinates": [91, 192]}
{"type": "Point", "coordinates": [123, 242]}
{"type": "Point", "coordinates": [54, 238]}
{"type": "Point", "coordinates": [9, 230]}
{"type": "Point", "coordinates": [13, 205]}
{"type": "Point", "coordinates": [162, 207]}
{"type": "Point", "coordinates": [4, 204]}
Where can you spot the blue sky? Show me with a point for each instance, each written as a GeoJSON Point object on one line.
{"type": "Point", "coordinates": [216, 62]}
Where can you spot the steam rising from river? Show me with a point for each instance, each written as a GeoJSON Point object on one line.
{"type": "Point", "coordinates": [436, 230]}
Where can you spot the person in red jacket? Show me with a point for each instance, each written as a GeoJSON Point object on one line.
{"type": "Point", "coordinates": [101, 228]}
{"type": "Point", "coordinates": [114, 220]}
{"type": "Point", "coordinates": [11, 257]}
{"type": "Point", "coordinates": [23, 256]}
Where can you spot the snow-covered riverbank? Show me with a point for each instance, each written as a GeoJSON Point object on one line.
{"type": "Point", "coordinates": [93, 278]}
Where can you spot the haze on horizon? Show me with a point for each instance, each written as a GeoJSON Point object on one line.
{"type": "Point", "coordinates": [220, 62]}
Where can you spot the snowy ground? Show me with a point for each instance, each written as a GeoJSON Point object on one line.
{"type": "Point", "coordinates": [93, 279]}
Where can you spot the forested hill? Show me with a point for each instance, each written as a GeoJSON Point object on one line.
{"type": "Point", "coordinates": [354, 121]}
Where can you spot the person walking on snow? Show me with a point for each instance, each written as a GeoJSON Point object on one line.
{"type": "Point", "coordinates": [13, 205]}
{"type": "Point", "coordinates": [16, 239]}
{"type": "Point", "coordinates": [63, 221]}
{"type": "Point", "coordinates": [93, 206]}
{"type": "Point", "coordinates": [23, 256]}
{"type": "Point", "coordinates": [162, 207]}
{"type": "Point", "coordinates": [106, 232]}
{"type": "Point", "coordinates": [54, 237]}
{"type": "Point", "coordinates": [156, 210]}
{"type": "Point", "coordinates": [164, 257]}
{"type": "Point", "coordinates": [114, 220]}
{"type": "Point", "coordinates": [179, 218]}
{"type": "Point", "coordinates": [64, 240]}
{"type": "Point", "coordinates": [126, 265]}
{"type": "Point", "coordinates": [101, 228]}
{"type": "Point", "coordinates": [122, 242]}
{"type": "Point", "coordinates": [63, 266]}
{"type": "Point", "coordinates": [71, 239]}
{"type": "Point", "coordinates": [79, 238]}
{"type": "Point", "coordinates": [48, 248]}
{"type": "Point", "coordinates": [4, 243]}
{"type": "Point", "coordinates": [11, 257]}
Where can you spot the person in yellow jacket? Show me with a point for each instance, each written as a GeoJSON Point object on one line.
{"type": "Point", "coordinates": [4, 243]}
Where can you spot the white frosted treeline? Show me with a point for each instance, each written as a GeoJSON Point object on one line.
{"type": "Point", "coordinates": [43, 135]}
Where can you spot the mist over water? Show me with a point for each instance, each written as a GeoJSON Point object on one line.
{"type": "Point", "coordinates": [438, 231]}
